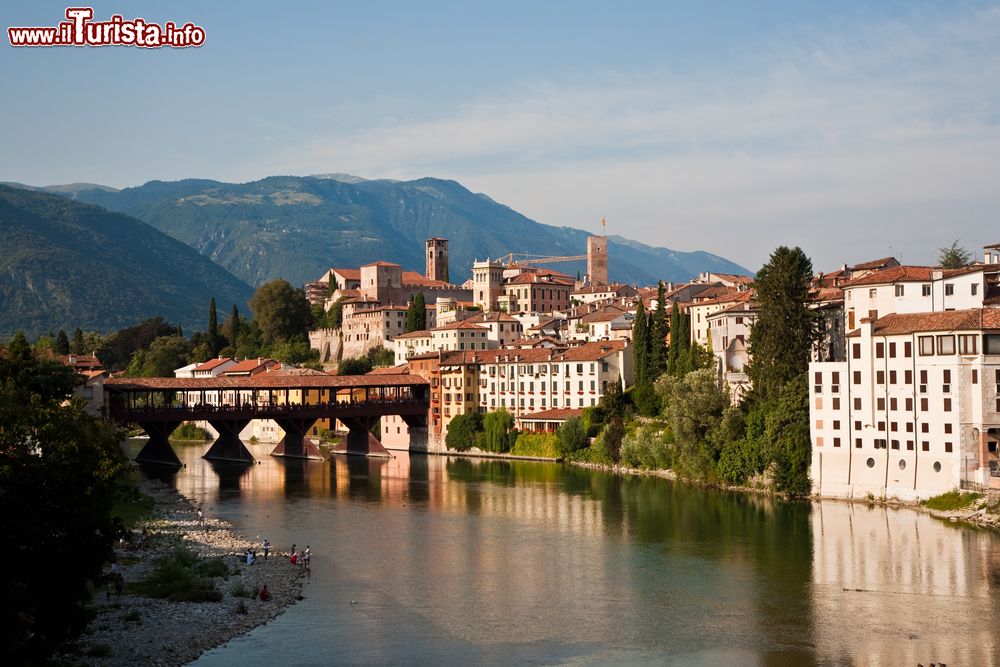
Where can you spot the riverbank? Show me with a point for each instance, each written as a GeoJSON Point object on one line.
{"type": "Point", "coordinates": [132, 629]}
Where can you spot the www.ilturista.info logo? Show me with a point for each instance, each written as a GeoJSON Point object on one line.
{"type": "Point", "coordinates": [80, 30]}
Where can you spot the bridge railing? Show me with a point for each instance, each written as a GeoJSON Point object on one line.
{"type": "Point", "coordinates": [120, 409]}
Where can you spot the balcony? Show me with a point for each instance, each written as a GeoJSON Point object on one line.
{"type": "Point", "coordinates": [733, 377]}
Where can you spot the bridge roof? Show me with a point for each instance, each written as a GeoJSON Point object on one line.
{"type": "Point", "coordinates": [263, 381]}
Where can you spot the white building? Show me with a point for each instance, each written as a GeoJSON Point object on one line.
{"type": "Point", "coordinates": [914, 410]}
{"type": "Point", "coordinates": [730, 335]}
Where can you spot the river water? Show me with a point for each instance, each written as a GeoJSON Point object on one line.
{"type": "Point", "coordinates": [434, 560]}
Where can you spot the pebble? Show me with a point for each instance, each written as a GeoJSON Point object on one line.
{"type": "Point", "coordinates": [176, 633]}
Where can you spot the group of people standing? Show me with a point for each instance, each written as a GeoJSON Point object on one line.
{"type": "Point", "coordinates": [301, 557]}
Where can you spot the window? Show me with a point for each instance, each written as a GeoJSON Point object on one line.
{"type": "Point", "coordinates": [909, 404]}
{"type": "Point", "coordinates": [857, 377]}
{"type": "Point", "coordinates": [949, 290]}
{"type": "Point", "coordinates": [879, 350]}
{"type": "Point", "coordinates": [836, 424]}
{"type": "Point", "coordinates": [836, 403]}
{"type": "Point", "coordinates": [975, 376]}
{"type": "Point", "coordinates": [895, 444]}
{"type": "Point", "coordinates": [923, 404]}
{"type": "Point", "coordinates": [947, 428]}
{"type": "Point", "coordinates": [836, 442]}
{"type": "Point", "coordinates": [925, 290]}
{"type": "Point", "coordinates": [899, 290]}
{"type": "Point", "coordinates": [967, 344]}
{"type": "Point", "coordinates": [879, 377]}
{"type": "Point", "coordinates": [975, 289]}
{"type": "Point", "coordinates": [892, 350]}
{"type": "Point", "coordinates": [857, 405]}
{"type": "Point", "coordinates": [892, 404]}
{"type": "Point", "coordinates": [892, 378]}
{"type": "Point", "coordinates": [947, 447]}
{"type": "Point", "coordinates": [946, 344]}
{"type": "Point", "coordinates": [925, 428]}
{"type": "Point", "coordinates": [926, 346]}
{"type": "Point", "coordinates": [907, 377]}
{"type": "Point", "coordinates": [925, 446]}
{"type": "Point", "coordinates": [907, 349]}
{"type": "Point", "coordinates": [946, 375]}
{"type": "Point", "coordinates": [872, 293]}
{"type": "Point", "coordinates": [909, 445]}
{"type": "Point", "coordinates": [857, 425]}
{"type": "Point", "coordinates": [856, 350]}
{"type": "Point", "coordinates": [880, 404]}
{"type": "Point", "coordinates": [947, 405]}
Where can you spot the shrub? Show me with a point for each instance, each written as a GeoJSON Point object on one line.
{"type": "Point", "coordinates": [645, 449]}
{"type": "Point", "coordinates": [238, 590]}
{"type": "Point", "coordinates": [647, 401]}
{"type": "Point", "coordinates": [182, 576]}
{"type": "Point", "coordinates": [188, 431]}
{"type": "Point", "coordinates": [536, 444]}
{"type": "Point", "coordinates": [462, 431]}
{"type": "Point", "coordinates": [952, 500]}
{"type": "Point", "coordinates": [571, 436]}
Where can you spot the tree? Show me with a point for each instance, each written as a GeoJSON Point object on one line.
{"type": "Point", "coordinates": [164, 355]}
{"type": "Point", "coordinates": [612, 437]}
{"type": "Point", "coordinates": [214, 340]}
{"type": "Point", "coordinates": [782, 337]}
{"type": "Point", "coordinates": [416, 314]}
{"type": "Point", "coordinates": [954, 256]}
{"type": "Point", "coordinates": [462, 431]}
{"type": "Point", "coordinates": [788, 435]}
{"type": "Point", "coordinates": [281, 312]}
{"type": "Point", "coordinates": [571, 436]}
{"type": "Point", "coordinates": [694, 406]}
{"type": "Point", "coordinates": [498, 429]}
{"type": "Point", "coordinates": [658, 336]}
{"type": "Point", "coordinates": [57, 470]}
{"type": "Point", "coordinates": [640, 344]}
{"type": "Point", "coordinates": [232, 327]}
{"type": "Point", "coordinates": [77, 346]}
{"type": "Point", "coordinates": [354, 366]}
{"type": "Point", "coordinates": [62, 343]}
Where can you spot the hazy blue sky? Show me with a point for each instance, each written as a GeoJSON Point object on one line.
{"type": "Point", "coordinates": [855, 130]}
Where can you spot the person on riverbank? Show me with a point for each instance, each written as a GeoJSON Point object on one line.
{"type": "Point", "coordinates": [306, 555]}
{"type": "Point", "coordinates": [250, 557]}
{"type": "Point", "coordinates": [267, 547]}
{"type": "Point", "coordinates": [201, 517]}
{"type": "Point", "coordinates": [265, 594]}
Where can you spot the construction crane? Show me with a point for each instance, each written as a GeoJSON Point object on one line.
{"type": "Point", "coordinates": [521, 258]}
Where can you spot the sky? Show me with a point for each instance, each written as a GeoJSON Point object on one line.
{"type": "Point", "coordinates": [854, 130]}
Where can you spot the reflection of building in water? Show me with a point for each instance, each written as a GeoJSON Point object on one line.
{"type": "Point", "coordinates": [899, 587]}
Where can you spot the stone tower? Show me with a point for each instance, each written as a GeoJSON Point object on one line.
{"type": "Point", "coordinates": [487, 283]}
{"type": "Point", "coordinates": [597, 260]}
{"type": "Point", "coordinates": [437, 259]}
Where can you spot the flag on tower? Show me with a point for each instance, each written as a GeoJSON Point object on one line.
{"type": "Point", "coordinates": [604, 223]}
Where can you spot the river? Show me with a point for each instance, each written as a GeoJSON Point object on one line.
{"type": "Point", "coordinates": [435, 560]}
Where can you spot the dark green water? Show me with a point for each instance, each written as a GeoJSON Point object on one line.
{"type": "Point", "coordinates": [456, 561]}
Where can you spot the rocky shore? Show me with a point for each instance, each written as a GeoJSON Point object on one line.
{"type": "Point", "coordinates": [134, 630]}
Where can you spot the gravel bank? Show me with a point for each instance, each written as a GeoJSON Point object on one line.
{"type": "Point", "coordinates": [136, 630]}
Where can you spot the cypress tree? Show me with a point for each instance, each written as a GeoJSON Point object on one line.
{"type": "Point", "coordinates": [416, 315]}
{"type": "Point", "coordinates": [640, 344]}
{"type": "Point", "coordinates": [658, 336]}
{"type": "Point", "coordinates": [675, 334]}
{"type": "Point", "coordinates": [62, 342]}
{"type": "Point", "coordinates": [213, 328]}
{"type": "Point", "coordinates": [234, 326]}
{"type": "Point", "coordinates": [76, 347]}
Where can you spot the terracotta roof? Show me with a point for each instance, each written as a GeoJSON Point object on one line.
{"type": "Point", "coordinates": [213, 363]}
{"type": "Point", "coordinates": [535, 342]}
{"type": "Point", "coordinates": [604, 316]}
{"type": "Point", "coordinates": [715, 294]}
{"type": "Point", "coordinates": [422, 333]}
{"type": "Point", "coordinates": [81, 361]}
{"type": "Point", "coordinates": [828, 294]}
{"type": "Point", "coordinates": [401, 369]}
{"type": "Point", "coordinates": [902, 274]}
{"type": "Point", "coordinates": [380, 263]}
{"type": "Point", "coordinates": [731, 296]}
{"type": "Point", "coordinates": [348, 274]}
{"type": "Point", "coordinates": [299, 372]}
{"type": "Point", "coordinates": [495, 316]}
{"type": "Point", "coordinates": [586, 352]}
{"type": "Point", "coordinates": [735, 278]}
{"type": "Point", "coordinates": [553, 415]}
{"type": "Point", "coordinates": [461, 324]}
{"type": "Point", "coordinates": [262, 381]}
{"type": "Point", "coordinates": [875, 264]}
{"type": "Point", "coordinates": [412, 278]}
{"type": "Point", "coordinates": [743, 306]}
{"type": "Point", "coordinates": [250, 365]}
{"type": "Point", "coordinates": [974, 319]}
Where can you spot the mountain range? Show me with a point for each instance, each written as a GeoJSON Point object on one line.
{"type": "Point", "coordinates": [298, 227]}
{"type": "Point", "coordinates": [68, 264]}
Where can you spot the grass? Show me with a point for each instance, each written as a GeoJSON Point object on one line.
{"type": "Point", "coordinates": [952, 500]}
{"type": "Point", "coordinates": [182, 576]}
{"type": "Point", "coordinates": [239, 590]}
{"type": "Point", "coordinates": [132, 508]}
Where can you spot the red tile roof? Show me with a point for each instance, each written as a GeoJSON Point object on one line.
{"type": "Point", "coordinates": [211, 364]}
{"type": "Point", "coordinates": [262, 381]}
{"type": "Point", "coordinates": [586, 352]}
{"type": "Point", "coordinates": [251, 365]}
{"type": "Point", "coordinates": [412, 278]}
{"type": "Point", "coordinates": [401, 369]}
{"type": "Point", "coordinates": [348, 274]}
{"type": "Point", "coordinates": [902, 274]}
{"type": "Point", "coordinates": [876, 264]}
{"type": "Point", "coordinates": [553, 415]}
{"type": "Point", "coordinates": [974, 319]}
{"type": "Point", "coordinates": [379, 263]}
{"type": "Point", "coordinates": [460, 324]}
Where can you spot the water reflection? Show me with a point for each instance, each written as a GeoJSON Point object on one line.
{"type": "Point", "coordinates": [495, 562]}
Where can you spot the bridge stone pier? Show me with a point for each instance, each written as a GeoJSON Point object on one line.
{"type": "Point", "coordinates": [295, 402]}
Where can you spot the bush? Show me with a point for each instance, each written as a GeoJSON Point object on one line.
{"type": "Point", "coordinates": [593, 419]}
{"type": "Point", "coordinates": [952, 500]}
{"type": "Point", "coordinates": [239, 590]}
{"type": "Point", "coordinates": [188, 431]}
{"type": "Point", "coordinates": [536, 444]}
{"type": "Point", "coordinates": [571, 436]}
{"type": "Point", "coordinates": [646, 449]}
{"type": "Point", "coordinates": [354, 366]}
{"type": "Point", "coordinates": [99, 651]}
{"type": "Point", "coordinates": [182, 576]}
{"type": "Point", "coordinates": [647, 401]}
{"type": "Point", "coordinates": [498, 430]}
{"type": "Point", "coordinates": [134, 616]}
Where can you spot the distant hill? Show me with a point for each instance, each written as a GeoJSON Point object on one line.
{"type": "Point", "coordinates": [67, 264]}
{"type": "Point", "coordinates": [298, 227]}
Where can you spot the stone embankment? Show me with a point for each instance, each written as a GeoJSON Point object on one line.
{"type": "Point", "coordinates": [134, 630]}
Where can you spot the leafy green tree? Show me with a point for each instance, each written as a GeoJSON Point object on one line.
{"type": "Point", "coordinates": [380, 357]}
{"type": "Point", "coordinates": [116, 352]}
{"type": "Point", "coordinates": [612, 436]}
{"type": "Point", "coordinates": [57, 470]}
{"type": "Point", "coordinates": [954, 256]}
{"type": "Point", "coordinates": [571, 436]}
{"type": "Point", "coordinates": [62, 343]}
{"type": "Point", "coordinates": [498, 431]}
{"type": "Point", "coordinates": [335, 316]}
{"type": "Point", "coordinates": [462, 431]}
{"type": "Point", "coordinates": [782, 337]}
{"type": "Point", "coordinates": [613, 401]}
{"type": "Point", "coordinates": [694, 406]}
{"type": "Point", "coordinates": [646, 450]}
{"type": "Point", "coordinates": [164, 355]}
{"type": "Point", "coordinates": [788, 435]}
{"type": "Point", "coordinates": [354, 366]}
{"type": "Point", "coordinates": [281, 312]}
{"type": "Point", "coordinates": [77, 346]}
{"type": "Point", "coordinates": [295, 352]}
{"type": "Point", "coordinates": [416, 314]}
